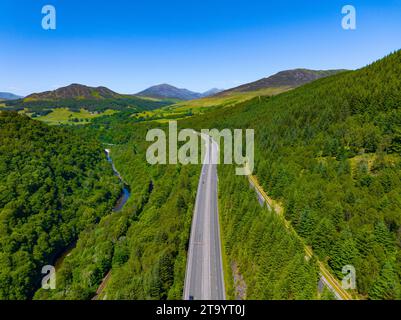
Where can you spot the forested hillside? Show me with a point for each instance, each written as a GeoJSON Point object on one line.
{"type": "Point", "coordinates": [123, 103]}
{"type": "Point", "coordinates": [53, 185]}
{"type": "Point", "coordinates": [143, 246]}
{"type": "Point", "coordinates": [330, 150]}
{"type": "Point", "coordinates": [155, 248]}
{"type": "Point", "coordinates": [265, 261]}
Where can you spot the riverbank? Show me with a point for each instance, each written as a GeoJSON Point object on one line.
{"type": "Point", "coordinates": [125, 194]}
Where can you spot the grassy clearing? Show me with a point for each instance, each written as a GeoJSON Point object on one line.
{"type": "Point", "coordinates": [65, 116]}
{"type": "Point", "coordinates": [161, 115]}
{"type": "Point", "coordinates": [370, 159]}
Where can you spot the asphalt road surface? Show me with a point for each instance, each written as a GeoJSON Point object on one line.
{"type": "Point", "coordinates": [204, 278]}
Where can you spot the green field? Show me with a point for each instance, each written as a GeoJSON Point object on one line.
{"type": "Point", "coordinates": [65, 116]}
{"type": "Point", "coordinates": [162, 115]}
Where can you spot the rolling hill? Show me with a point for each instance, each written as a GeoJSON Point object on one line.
{"type": "Point", "coordinates": [76, 97]}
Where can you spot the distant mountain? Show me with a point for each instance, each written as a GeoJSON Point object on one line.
{"type": "Point", "coordinates": [77, 96]}
{"type": "Point", "coordinates": [168, 91]}
{"type": "Point", "coordinates": [75, 91]}
{"type": "Point", "coordinates": [211, 92]}
{"type": "Point", "coordinates": [9, 96]}
{"type": "Point", "coordinates": [163, 91]}
{"type": "Point", "coordinates": [289, 78]}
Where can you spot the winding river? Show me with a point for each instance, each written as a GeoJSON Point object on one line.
{"type": "Point", "coordinates": [125, 194]}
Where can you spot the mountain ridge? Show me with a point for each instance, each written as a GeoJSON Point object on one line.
{"type": "Point", "coordinates": [329, 151]}
{"type": "Point", "coordinates": [287, 78]}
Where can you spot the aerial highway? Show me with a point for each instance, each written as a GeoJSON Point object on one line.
{"type": "Point", "coordinates": [204, 278]}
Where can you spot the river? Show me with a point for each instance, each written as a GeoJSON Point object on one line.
{"type": "Point", "coordinates": [125, 194]}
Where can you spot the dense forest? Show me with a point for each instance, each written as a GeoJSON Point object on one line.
{"type": "Point", "coordinates": [144, 246]}
{"type": "Point", "coordinates": [133, 103]}
{"type": "Point", "coordinates": [58, 192]}
{"type": "Point", "coordinates": [330, 151]}
{"type": "Point", "coordinates": [271, 261]}
{"type": "Point", "coordinates": [264, 260]}
{"type": "Point", "coordinates": [54, 184]}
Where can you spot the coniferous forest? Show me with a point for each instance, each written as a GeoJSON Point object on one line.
{"type": "Point", "coordinates": [329, 151]}
{"type": "Point", "coordinates": [264, 260]}
{"type": "Point", "coordinates": [54, 184]}
{"type": "Point", "coordinates": [144, 245]}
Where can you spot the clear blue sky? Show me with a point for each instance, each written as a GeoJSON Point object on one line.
{"type": "Point", "coordinates": [130, 45]}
